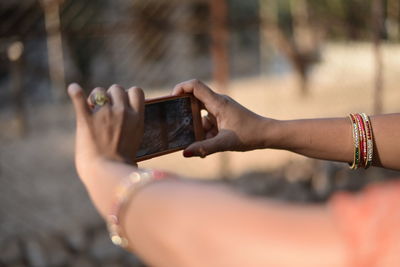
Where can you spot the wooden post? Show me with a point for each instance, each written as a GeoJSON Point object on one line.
{"type": "Point", "coordinates": [54, 46]}
{"type": "Point", "coordinates": [300, 60]}
{"type": "Point", "coordinates": [219, 47]}
{"type": "Point", "coordinates": [393, 20]}
{"type": "Point", "coordinates": [220, 57]}
{"type": "Point", "coordinates": [268, 12]}
{"type": "Point", "coordinates": [377, 17]}
{"type": "Point", "coordinates": [303, 31]}
{"type": "Point", "coordinates": [14, 53]}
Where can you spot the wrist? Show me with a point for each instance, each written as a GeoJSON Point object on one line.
{"type": "Point", "coordinates": [88, 169]}
{"type": "Point", "coordinates": [272, 133]}
{"type": "Point", "coordinates": [101, 176]}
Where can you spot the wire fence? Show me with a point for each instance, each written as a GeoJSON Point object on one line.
{"type": "Point", "coordinates": [46, 44]}
{"type": "Point", "coordinates": [148, 43]}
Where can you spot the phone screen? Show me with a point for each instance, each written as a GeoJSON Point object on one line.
{"type": "Point", "coordinates": [168, 126]}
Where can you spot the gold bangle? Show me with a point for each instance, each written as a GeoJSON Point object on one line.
{"type": "Point", "coordinates": [370, 140]}
{"type": "Point", "coordinates": [356, 138]}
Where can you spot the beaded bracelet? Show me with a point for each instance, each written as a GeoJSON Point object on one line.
{"type": "Point", "coordinates": [123, 193]}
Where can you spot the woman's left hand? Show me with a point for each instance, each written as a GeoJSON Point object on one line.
{"type": "Point", "coordinates": [111, 130]}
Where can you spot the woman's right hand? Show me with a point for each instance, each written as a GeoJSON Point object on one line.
{"type": "Point", "coordinates": [111, 132]}
{"type": "Point", "coordinates": [228, 126]}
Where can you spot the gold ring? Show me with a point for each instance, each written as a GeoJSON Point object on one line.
{"type": "Point", "coordinates": [100, 99]}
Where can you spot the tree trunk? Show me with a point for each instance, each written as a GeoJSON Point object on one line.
{"type": "Point", "coordinates": [393, 13]}
{"type": "Point", "coordinates": [55, 49]}
{"type": "Point", "coordinates": [377, 14]}
{"type": "Point", "coordinates": [219, 46]}
{"type": "Point", "coordinates": [15, 53]}
{"type": "Point", "coordinates": [303, 32]}
{"type": "Point", "coordinates": [300, 49]}
{"type": "Point", "coordinates": [220, 56]}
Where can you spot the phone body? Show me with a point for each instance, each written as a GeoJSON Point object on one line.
{"type": "Point", "coordinates": [171, 124]}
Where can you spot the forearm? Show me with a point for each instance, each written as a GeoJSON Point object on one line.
{"type": "Point", "coordinates": [332, 139]}
{"type": "Point", "coordinates": [387, 140]}
{"type": "Point", "coordinates": [186, 224]}
{"type": "Point", "coordinates": [328, 139]}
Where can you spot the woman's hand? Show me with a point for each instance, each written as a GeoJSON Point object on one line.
{"type": "Point", "coordinates": [228, 125]}
{"type": "Point", "coordinates": [110, 132]}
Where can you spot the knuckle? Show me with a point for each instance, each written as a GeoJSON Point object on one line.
{"type": "Point", "coordinates": [141, 94]}
{"type": "Point", "coordinates": [98, 89]}
{"type": "Point", "coordinates": [117, 86]}
{"type": "Point", "coordinates": [224, 99]}
{"type": "Point", "coordinates": [202, 152]}
{"type": "Point", "coordinates": [195, 82]}
{"type": "Point", "coordinates": [136, 92]}
{"type": "Point", "coordinates": [137, 89]}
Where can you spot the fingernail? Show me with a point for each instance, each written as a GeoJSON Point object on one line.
{"type": "Point", "coordinates": [187, 154]}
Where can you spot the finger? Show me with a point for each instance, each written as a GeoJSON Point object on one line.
{"type": "Point", "coordinates": [210, 125]}
{"type": "Point", "coordinates": [78, 99]}
{"type": "Point", "coordinates": [91, 99]}
{"type": "Point", "coordinates": [136, 99]}
{"type": "Point", "coordinates": [207, 124]}
{"type": "Point", "coordinates": [205, 148]}
{"type": "Point", "coordinates": [198, 89]}
{"type": "Point", "coordinates": [211, 134]}
{"type": "Point", "coordinates": [118, 96]}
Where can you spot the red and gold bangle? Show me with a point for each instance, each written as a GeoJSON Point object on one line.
{"type": "Point", "coordinates": [363, 139]}
{"type": "Point", "coordinates": [370, 140]}
{"type": "Point", "coordinates": [356, 138]}
{"type": "Point", "coordinates": [123, 193]}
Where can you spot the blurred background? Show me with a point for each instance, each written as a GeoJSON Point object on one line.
{"type": "Point", "coordinates": [284, 59]}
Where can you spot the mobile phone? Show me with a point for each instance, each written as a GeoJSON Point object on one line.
{"type": "Point", "coordinates": [170, 124]}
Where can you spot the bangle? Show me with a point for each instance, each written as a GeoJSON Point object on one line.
{"type": "Point", "coordinates": [370, 140]}
{"type": "Point", "coordinates": [356, 160]}
{"type": "Point", "coordinates": [363, 141]}
{"type": "Point", "coordinates": [123, 193]}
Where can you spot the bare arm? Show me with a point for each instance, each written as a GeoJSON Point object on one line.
{"type": "Point", "coordinates": [177, 223]}
{"type": "Point", "coordinates": [184, 223]}
{"type": "Point", "coordinates": [204, 225]}
{"type": "Point", "coordinates": [231, 127]}
{"type": "Point", "coordinates": [331, 139]}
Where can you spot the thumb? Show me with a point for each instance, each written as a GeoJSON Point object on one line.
{"type": "Point", "coordinates": [205, 148]}
{"type": "Point", "coordinates": [78, 99]}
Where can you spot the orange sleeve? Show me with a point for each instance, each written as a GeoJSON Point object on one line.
{"type": "Point", "coordinates": [370, 225]}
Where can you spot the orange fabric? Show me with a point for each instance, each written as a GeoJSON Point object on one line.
{"type": "Point", "coordinates": [370, 224]}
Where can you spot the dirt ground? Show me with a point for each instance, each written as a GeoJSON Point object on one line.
{"type": "Point", "coordinates": [340, 84]}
